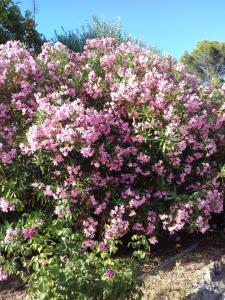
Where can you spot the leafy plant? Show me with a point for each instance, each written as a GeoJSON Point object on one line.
{"type": "Point", "coordinates": [98, 150]}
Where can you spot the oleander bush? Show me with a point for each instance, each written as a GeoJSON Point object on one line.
{"type": "Point", "coordinates": [97, 147]}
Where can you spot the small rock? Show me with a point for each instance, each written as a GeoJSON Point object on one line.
{"type": "Point", "coordinates": [213, 288]}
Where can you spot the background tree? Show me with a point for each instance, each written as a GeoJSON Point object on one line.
{"type": "Point", "coordinates": [97, 28]}
{"type": "Point", "coordinates": [207, 60]}
{"type": "Point", "coordinates": [15, 26]}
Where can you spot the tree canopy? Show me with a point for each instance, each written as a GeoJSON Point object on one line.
{"type": "Point", "coordinates": [207, 60]}
{"type": "Point", "coordinates": [97, 28]}
{"type": "Point", "coordinates": [15, 26]}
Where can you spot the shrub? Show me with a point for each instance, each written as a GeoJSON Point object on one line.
{"type": "Point", "coordinates": [113, 142]}
{"type": "Point", "coordinates": [97, 28]}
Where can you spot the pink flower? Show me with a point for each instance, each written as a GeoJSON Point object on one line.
{"type": "Point", "coordinates": [109, 273]}
{"type": "Point", "coordinates": [29, 233]}
{"type": "Point", "coordinates": [159, 168]}
{"type": "Point", "coordinates": [90, 228]}
{"type": "Point", "coordinates": [87, 151]}
{"type": "Point", "coordinates": [143, 158]}
{"type": "Point", "coordinates": [57, 159]}
{"type": "Point", "coordinates": [138, 227]}
{"type": "Point", "coordinates": [88, 244]}
{"type": "Point", "coordinates": [202, 224]}
{"type": "Point", "coordinates": [102, 246]}
{"type": "Point", "coordinates": [3, 274]}
{"type": "Point", "coordinates": [5, 206]}
{"type": "Point", "coordinates": [62, 211]}
{"type": "Point", "coordinates": [11, 235]}
{"type": "Point", "coordinates": [153, 240]}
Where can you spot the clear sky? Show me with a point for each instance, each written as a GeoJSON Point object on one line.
{"type": "Point", "coordinates": [171, 25]}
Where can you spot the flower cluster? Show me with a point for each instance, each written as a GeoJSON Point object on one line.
{"type": "Point", "coordinates": [5, 206]}
{"type": "Point", "coordinates": [118, 139]}
{"type": "Point", "coordinates": [3, 275]}
{"type": "Point", "coordinates": [19, 77]}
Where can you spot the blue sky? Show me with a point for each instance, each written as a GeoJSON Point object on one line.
{"type": "Point", "coordinates": [171, 25]}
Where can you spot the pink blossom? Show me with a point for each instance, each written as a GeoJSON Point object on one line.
{"type": "Point", "coordinates": [86, 151]}
{"type": "Point", "coordinates": [5, 206]}
{"type": "Point", "coordinates": [3, 274]}
{"type": "Point", "coordinates": [109, 273]}
{"type": "Point", "coordinates": [29, 233]}
{"type": "Point", "coordinates": [102, 246]}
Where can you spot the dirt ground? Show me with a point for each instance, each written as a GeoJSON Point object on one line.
{"type": "Point", "coordinates": [177, 279]}
{"type": "Point", "coordinates": [12, 289]}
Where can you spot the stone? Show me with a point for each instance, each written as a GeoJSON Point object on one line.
{"type": "Point", "coordinates": [213, 288]}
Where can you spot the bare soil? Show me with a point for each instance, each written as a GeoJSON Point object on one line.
{"type": "Point", "coordinates": [177, 279]}
{"type": "Point", "coordinates": [12, 289]}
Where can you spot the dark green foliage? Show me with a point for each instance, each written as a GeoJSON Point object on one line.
{"type": "Point", "coordinates": [207, 60]}
{"type": "Point", "coordinates": [15, 26]}
{"type": "Point", "coordinates": [97, 28]}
